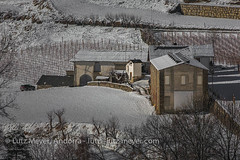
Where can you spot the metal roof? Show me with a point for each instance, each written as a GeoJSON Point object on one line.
{"type": "Point", "coordinates": [109, 56]}
{"type": "Point", "coordinates": [175, 59]}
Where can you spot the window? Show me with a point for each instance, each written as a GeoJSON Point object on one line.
{"type": "Point", "coordinates": [97, 67]}
{"type": "Point", "coordinates": [167, 101]}
{"type": "Point", "coordinates": [199, 80]}
{"type": "Point", "coordinates": [167, 80]}
{"type": "Point", "coordinates": [183, 80]}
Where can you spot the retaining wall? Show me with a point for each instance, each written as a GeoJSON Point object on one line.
{"type": "Point", "coordinates": [229, 12]}
{"type": "Point", "coordinates": [111, 85]}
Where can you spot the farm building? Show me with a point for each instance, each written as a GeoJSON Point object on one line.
{"type": "Point", "coordinates": [91, 64]}
{"type": "Point", "coordinates": [203, 53]}
{"type": "Point", "coordinates": [134, 70]}
{"type": "Point", "coordinates": [175, 81]}
{"type": "Point", "coordinates": [47, 81]}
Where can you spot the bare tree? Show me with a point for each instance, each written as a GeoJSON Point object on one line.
{"type": "Point", "coordinates": [7, 73]}
{"type": "Point", "coordinates": [42, 151]}
{"type": "Point", "coordinates": [94, 18]}
{"type": "Point", "coordinates": [126, 19]}
{"type": "Point", "coordinates": [1, 141]}
{"type": "Point", "coordinates": [65, 152]}
{"type": "Point", "coordinates": [51, 116]}
{"type": "Point", "coordinates": [110, 18]}
{"type": "Point", "coordinates": [228, 143]}
{"type": "Point", "coordinates": [112, 127]}
{"type": "Point", "coordinates": [61, 121]}
{"type": "Point", "coordinates": [135, 19]}
{"type": "Point", "coordinates": [98, 126]}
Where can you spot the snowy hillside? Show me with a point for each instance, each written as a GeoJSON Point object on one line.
{"type": "Point", "coordinates": [82, 104]}
{"type": "Point", "coordinates": [82, 9]}
{"type": "Point", "coordinates": [35, 21]}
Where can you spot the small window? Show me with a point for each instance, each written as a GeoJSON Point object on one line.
{"type": "Point", "coordinates": [199, 80]}
{"type": "Point", "coordinates": [167, 101]}
{"type": "Point", "coordinates": [167, 80]}
{"type": "Point", "coordinates": [97, 67]}
{"type": "Point", "coordinates": [183, 80]}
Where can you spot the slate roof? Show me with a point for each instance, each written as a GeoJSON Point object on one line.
{"type": "Point", "coordinates": [55, 81]}
{"type": "Point", "coordinates": [190, 51]}
{"type": "Point", "coordinates": [109, 56]}
{"type": "Point", "coordinates": [168, 61]}
{"type": "Point", "coordinates": [158, 51]}
{"type": "Point", "coordinates": [202, 50]}
{"type": "Point", "coordinates": [135, 61]}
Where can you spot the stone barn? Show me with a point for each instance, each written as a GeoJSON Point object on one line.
{"type": "Point", "coordinates": [91, 64]}
{"type": "Point", "coordinates": [176, 80]}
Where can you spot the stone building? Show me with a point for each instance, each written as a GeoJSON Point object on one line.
{"type": "Point", "coordinates": [176, 80]}
{"type": "Point", "coordinates": [90, 64]}
{"type": "Point", "coordinates": [134, 70]}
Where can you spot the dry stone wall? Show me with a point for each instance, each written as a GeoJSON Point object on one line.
{"type": "Point", "coordinates": [229, 12]}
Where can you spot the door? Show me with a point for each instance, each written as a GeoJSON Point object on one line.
{"type": "Point", "coordinates": [182, 98]}
{"type": "Point", "coordinates": [84, 79]}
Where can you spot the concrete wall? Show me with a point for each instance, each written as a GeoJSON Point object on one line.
{"type": "Point", "coordinates": [210, 11]}
{"type": "Point", "coordinates": [161, 92]}
{"type": "Point", "coordinates": [137, 71]}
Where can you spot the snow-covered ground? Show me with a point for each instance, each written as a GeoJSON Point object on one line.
{"type": "Point", "coordinates": [25, 33]}
{"type": "Point", "coordinates": [158, 5]}
{"type": "Point", "coordinates": [81, 9]}
{"type": "Point", "coordinates": [82, 104]}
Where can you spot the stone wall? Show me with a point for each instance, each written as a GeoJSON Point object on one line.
{"type": "Point", "coordinates": [163, 95]}
{"type": "Point", "coordinates": [111, 85]}
{"type": "Point", "coordinates": [211, 11]}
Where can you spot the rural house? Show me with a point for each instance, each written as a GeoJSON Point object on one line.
{"type": "Point", "coordinates": [175, 81]}
{"type": "Point", "coordinates": [91, 64]}
{"type": "Point", "coordinates": [203, 53]}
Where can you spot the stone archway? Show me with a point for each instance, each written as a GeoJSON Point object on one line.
{"type": "Point", "coordinates": [84, 79]}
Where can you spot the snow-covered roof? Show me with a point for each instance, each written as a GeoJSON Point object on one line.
{"type": "Point", "coordinates": [202, 50]}
{"type": "Point", "coordinates": [109, 56]}
{"type": "Point", "coordinates": [189, 51]}
{"type": "Point", "coordinates": [102, 78]}
{"type": "Point", "coordinates": [158, 51]}
{"type": "Point", "coordinates": [175, 59]}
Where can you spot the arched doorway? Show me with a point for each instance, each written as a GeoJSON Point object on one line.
{"type": "Point", "coordinates": [84, 79]}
